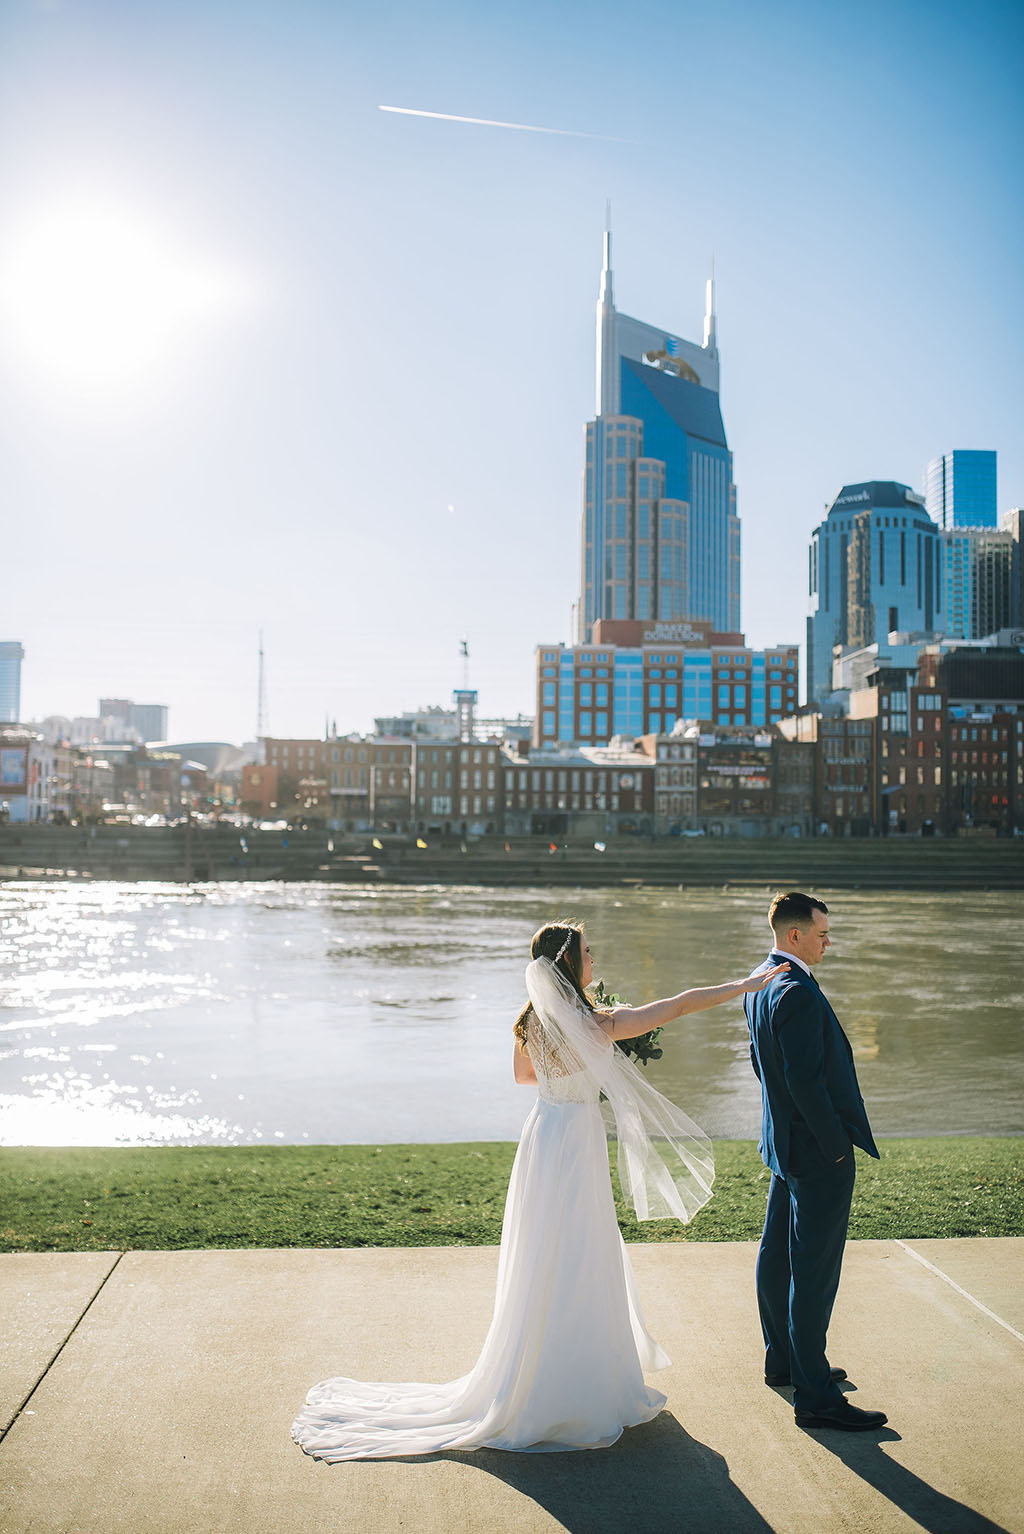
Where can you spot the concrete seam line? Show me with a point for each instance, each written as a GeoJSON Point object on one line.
{"type": "Point", "coordinates": [88, 1306]}
{"type": "Point", "coordinates": [954, 1285]}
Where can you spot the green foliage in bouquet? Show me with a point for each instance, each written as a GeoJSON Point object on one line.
{"type": "Point", "coordinates": [640, 1049]}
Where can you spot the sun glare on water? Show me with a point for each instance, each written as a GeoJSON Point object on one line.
{"type": "Point", "coordinates": [95, 296]}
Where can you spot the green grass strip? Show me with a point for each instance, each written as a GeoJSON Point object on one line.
{"type": "Point", "coordinates": [163, 1199]}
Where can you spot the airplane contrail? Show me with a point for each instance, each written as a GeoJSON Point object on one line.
{"type": "Point", "coordinates": [488, 122]}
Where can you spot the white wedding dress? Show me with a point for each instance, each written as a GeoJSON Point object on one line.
{"type": "Point", "coordinates": [562, 1364]}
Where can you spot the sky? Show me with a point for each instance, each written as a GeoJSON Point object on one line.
{"type": "Point", "coordinates": [275, 360]}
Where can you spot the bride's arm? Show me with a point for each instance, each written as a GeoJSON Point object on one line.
{"type": "Point", "coordinates": [631, 1022]}
{"type": "Point", "coordinates": [522, 1067]}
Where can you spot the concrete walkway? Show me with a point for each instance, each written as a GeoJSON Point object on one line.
{"type": "Point", "coordinates": [154, 1391]}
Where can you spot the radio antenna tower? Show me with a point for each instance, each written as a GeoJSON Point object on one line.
{"type": "Point", "coordinates": [261, 697]}
{"type": "Point", "coordinates": [465, 697]}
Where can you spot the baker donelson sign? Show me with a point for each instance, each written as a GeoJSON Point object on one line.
{"type": "Point", "coordinates": [674, 633]}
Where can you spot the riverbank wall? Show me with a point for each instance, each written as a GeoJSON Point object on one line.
{"type": "Point", "coordinates": [198, 855]}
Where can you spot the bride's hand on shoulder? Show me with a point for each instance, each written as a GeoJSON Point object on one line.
{"type": "Point", "coordinates": [760, 979]}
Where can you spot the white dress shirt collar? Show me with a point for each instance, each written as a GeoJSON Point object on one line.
{"type": "Point", "coordinates": [792, 959]}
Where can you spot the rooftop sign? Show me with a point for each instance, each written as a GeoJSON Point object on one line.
{"type": "Point", "coordinates": [676, 633]}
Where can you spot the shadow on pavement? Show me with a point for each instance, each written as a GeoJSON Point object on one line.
{"type": "Point", "coordinates": [656, 1478]}
{"type": "Point", "coordinates": [929, 1508]}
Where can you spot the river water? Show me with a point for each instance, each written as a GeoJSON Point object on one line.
{"type": "Point", "coordinates": [135, 1014]}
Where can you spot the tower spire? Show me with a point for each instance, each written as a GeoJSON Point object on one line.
{"type": "Point", "coordinates": [710, 340]}
{"type": "Point", "coordinates": [606, 326]}
{"type": "Point", "coordinates": [261, 695]}
{"type": "Point", "coordinates": [606, 267]}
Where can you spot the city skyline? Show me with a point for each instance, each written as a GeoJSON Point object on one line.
{"type": "Point", "coordinates": [354, 349]}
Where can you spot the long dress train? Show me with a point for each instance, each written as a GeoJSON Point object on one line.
{"type": "Point", "coordinates": [562, 1364]}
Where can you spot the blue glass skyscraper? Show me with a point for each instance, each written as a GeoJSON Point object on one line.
{"type": "Point", "coordinates": [874, 567]}
{"type": "Point", "coordinates": [960, 489]}
{"type": "Point", "coordinates": [661, 538]}
{"type": "Point", "coordinates": [979, 569]}
{"type": "Point", "coordinates": [11, 656]}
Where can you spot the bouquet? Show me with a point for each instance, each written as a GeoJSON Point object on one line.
{"type": "Point", "coordinates": [640, 1049]}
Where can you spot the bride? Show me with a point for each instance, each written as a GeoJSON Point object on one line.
{"type": "Point", "coordinates": [562, 1364]}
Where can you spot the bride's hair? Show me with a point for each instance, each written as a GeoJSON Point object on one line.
{"type": "Point", "coordinates": [562, 943]}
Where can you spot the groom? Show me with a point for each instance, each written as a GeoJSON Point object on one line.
{"type": "Point", "coordinates": [812, 1117]}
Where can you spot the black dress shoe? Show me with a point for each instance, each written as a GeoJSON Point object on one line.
{"type": "Point", "coordinates": [850, 1419]}
{"type": "Point", "coordinates": [784, 1379]}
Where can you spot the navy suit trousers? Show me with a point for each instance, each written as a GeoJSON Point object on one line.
{"type": "Point", "coordinates": [798, 1268]}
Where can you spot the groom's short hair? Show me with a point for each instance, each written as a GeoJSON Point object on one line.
{"type": "Point", "coordinates": [794, 910]}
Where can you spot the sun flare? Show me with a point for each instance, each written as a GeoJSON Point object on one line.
{"type": "Point", "coordinates": [97, 296]}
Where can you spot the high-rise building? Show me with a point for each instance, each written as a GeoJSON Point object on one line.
{"type": "Point", "coordinates": [150, 719]}
{"type": "Point", "coordinates": [978, 567]}
{"type": "Point", "coordinates": [874, 568]}
{"type": "Point", "coordinates": [660, 534]}
{"type": "Point", "coordinates": [11, 656]}
{"type": "Point", "coordinates": [960, 489]}
{"type": "Point", "coordinates": [117, 708]}
{"type": "Point", "coordinates": [146, 720]}
{"type": "Point", "coordinates": [1012, 522]}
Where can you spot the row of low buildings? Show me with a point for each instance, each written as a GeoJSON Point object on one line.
{"type": "Point", "coordinates": [931, 741]}
{"type": "Point", "coordinates": [45, 780]}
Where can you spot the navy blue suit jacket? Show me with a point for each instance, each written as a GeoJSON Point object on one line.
{"type": "Point", "coordinates": [811, 1102]}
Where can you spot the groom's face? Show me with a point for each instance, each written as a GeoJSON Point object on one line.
{"type": "Point", "coordinates": [809, 943]}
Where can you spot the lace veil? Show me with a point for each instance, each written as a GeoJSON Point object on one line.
{"type": "Point", "coordinates": [666, 1164]}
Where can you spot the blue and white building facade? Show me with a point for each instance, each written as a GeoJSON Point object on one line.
{"type": "Point", "coordinates": [588, 694]}
{"type": "Point", "coordinates": [660, 534]}
{"type": "Point", "coordinates": [875, 567]}
{"type": "Point", "coordinates": [960, 489]}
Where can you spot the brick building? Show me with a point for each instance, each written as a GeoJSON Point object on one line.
{"type": "Point", "coordinates": [435, 779]}
{"type": "Point", "coordinates": [637, 678]}
{"type": "Point", "coordinates": [675, 780]}
{"type": "Point", "coordinates": [458, 786]}
{"type": "Point", "coordinates": [842, 770]}
{"type": "Point", "coordinates": [349, 782]}
{"type": "Point", "coordinates": [735, 783]}
{"type": "Point", "coordinates": [910, 762]}
{"type": "Point", "coordinates": [986, 771]}
{"type": "Point", "coordinates": [584, 792]}
{"type": "Point", "coordinates": [258, 795]}
{"type": "Point", "coordinates": [793, 775]}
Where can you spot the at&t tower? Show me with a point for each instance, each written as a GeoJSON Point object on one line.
{"type": "Point", "coordinates": [661, 538]}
